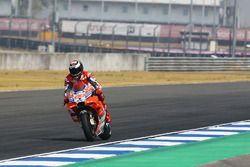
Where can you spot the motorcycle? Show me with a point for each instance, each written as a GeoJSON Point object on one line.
{"type": "Point", "coordinates": [88, 110]}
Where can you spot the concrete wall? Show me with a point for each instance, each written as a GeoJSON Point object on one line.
{"type": "Point", "coordinates": [91, 61]}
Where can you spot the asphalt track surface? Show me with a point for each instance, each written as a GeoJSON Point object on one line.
{"type": "Point", "coordinates": [34, 122]}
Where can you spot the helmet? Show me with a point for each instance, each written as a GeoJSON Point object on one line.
{"type": "Point", "coordinates": [76, 68]}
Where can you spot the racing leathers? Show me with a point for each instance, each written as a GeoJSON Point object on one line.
{"type": "Point", "coordinates": [86, 78]}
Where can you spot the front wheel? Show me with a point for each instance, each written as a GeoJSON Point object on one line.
{"type": "Point", "coordinates": [88, 125]}
{"type": "Point", "coordinates": [107, 132]}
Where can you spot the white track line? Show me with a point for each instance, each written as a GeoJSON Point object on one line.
{"type": "Point", "coordinates": [34, 163]}
{"type": "Point", "coordinates": [180, 138]}
{"type": "Point", "coordinates": [95, 156]}
{"type": "Point", "coordinates": [230, 128]}
{"type": "Point", "coordinates": [152, 143]}
{"type": "Point", "coordinates": [242, 123]}
{"type": "Point", "coordinates": [136, 149]}
{"type": "Point", "coordinates": [209, 133]}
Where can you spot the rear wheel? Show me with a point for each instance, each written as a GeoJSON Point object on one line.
{"type": "Point", "coordinates": [88, 125]}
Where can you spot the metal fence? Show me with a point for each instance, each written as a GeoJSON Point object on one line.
{"type": "Point", "coordinates": [196, 64]}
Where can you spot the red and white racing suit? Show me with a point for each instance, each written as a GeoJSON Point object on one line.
{"type": "Point", "coordinates": [86, 78]}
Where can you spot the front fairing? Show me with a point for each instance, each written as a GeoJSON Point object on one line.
{"type": "Point", "coordinates": [79, 96]}
{"type": "Point", "coordinates": [82, 97]}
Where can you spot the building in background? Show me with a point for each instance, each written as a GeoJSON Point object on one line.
{"type": "Point", "coordinates": [144, 11]}
{"type": "Point", "coordinates": [5, 8]}
{"type": "Point", "coordinates": [38, 9]}
{"type": "Point", "coordinates": [201, 12]}
{"type": "Point", "coordinates": [242, 13]}
{"type": "Point", "coordinates": [204, 12]}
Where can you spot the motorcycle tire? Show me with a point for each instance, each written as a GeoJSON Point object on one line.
{"type": "Point", "coordinates": [88, 130]}
{"type": "Point", "coordinates": [107, 133]}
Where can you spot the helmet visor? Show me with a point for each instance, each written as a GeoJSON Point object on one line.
{"type": "Point", "coordinates": [75, 71]}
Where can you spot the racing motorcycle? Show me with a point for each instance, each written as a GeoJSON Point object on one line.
{"type": "Point", "coordinates": [88, 110]}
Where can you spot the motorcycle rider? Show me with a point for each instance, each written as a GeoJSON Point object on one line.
{"type": "Point", "coordinates": [77, 73]}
